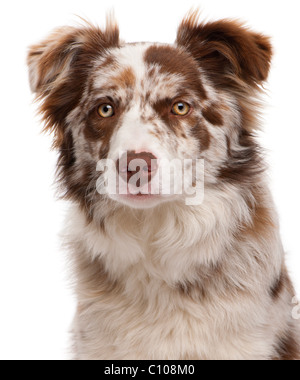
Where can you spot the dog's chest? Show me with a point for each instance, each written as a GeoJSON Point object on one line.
{"type": "Point", "coordinates": [137, 308]}
{"type": "Point", "coordinates": [159, 323]}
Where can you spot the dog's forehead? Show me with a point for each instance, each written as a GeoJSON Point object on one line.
{"type": "Point", "coordinates": [145, 67]}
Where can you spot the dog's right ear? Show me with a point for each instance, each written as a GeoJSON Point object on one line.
{"type": "Point", "coordinates": [59, 68]}
{"type": "Point", "coordinates": [51, 60]}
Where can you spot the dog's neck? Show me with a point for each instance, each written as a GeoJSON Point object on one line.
{"type": "Point", "coordinates": [128, 237]}
{"type": "Point", "coordinates": [177, 248]}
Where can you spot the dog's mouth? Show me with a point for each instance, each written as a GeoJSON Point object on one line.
{"type": "Point", "coordinates": [141, 200]}
{"type": "Point", "coordinates": [145, 196]}
{"type": "Point", "coordinates": [141, 196]}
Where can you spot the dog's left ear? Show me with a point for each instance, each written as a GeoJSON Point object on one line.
{"type": "Point", "coordinates": [227, 50]}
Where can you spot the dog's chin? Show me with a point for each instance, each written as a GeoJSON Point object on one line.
{"type": "Point", "coordinates": [142, 201]}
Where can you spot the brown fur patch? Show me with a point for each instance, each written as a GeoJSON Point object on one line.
{"type": "Point", "coordinates": [245, 164]}
{"type": "Point", "coordinates": [281, 285]}
{"type": "Point", "coordinates": [278, 287]}
{"type": "Point", "coordinates": [209, 281]}
{"type": "Point", "coordinates": [262, 221]}
{"type": "Point", "coordinates": [288, 347]}
{"type": "Point", "coordinates": [202, 135]}
{"type": "Point", "coordinates": [174, 61]}
{"type": "Point", "coordinates": [213, 115]}
{"type": "Point", "coordinates": [227, 49]}
{"type": "Point", "coordinates": [125, 79]}
{"type": "Point", "coordinates": [82, 186]}
{"type": "Point", "coordinates": [194, 290]}
{"type": "Point", "coordinates": [262, 224]}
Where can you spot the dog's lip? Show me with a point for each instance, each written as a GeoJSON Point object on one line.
{"type": "Point", "coordinates": [141, 196]}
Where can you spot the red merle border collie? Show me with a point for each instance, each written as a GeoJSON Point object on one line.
{"type": "Point", "coordinates": [157, 278]}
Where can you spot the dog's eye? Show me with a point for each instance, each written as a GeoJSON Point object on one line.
{"type": "Point", "coordinates": [106, 110]}
{"type": "Point", "coordinates": [181, 109]}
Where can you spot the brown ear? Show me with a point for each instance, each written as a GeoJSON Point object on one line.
{"type": "Point", "coordinates": [227, 50]}
{"type": "Point", "coordinates": [59, 67]}
{"type": "Point", "coordinates": [51, 59]}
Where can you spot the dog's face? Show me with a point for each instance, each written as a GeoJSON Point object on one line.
{"type": "Point", "coordinates": [149, 104]}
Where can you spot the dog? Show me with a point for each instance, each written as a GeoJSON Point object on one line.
{"type": "Point", "coordinates": [158, 276]}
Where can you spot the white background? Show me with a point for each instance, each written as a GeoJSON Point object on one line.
{"type": "Point", "coordinates": [36, 303]}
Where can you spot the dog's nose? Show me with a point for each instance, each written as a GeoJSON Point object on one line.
{"type": "Point", "coordinates": [131, 163]}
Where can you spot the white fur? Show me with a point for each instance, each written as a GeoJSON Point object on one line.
{"type": "Point", "coordinates": [148, 252]}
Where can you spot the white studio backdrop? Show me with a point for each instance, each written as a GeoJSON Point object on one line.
{"type": "Point", "coordinates": [37, 304]}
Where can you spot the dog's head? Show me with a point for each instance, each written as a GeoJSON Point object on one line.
{"type": "Point", "coordinates": [142, 105]}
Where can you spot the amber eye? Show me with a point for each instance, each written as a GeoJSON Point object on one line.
{"type": "Point", "coordinates": [106, 110]}
{"type": "Point", "coordinates": [181, 109]}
